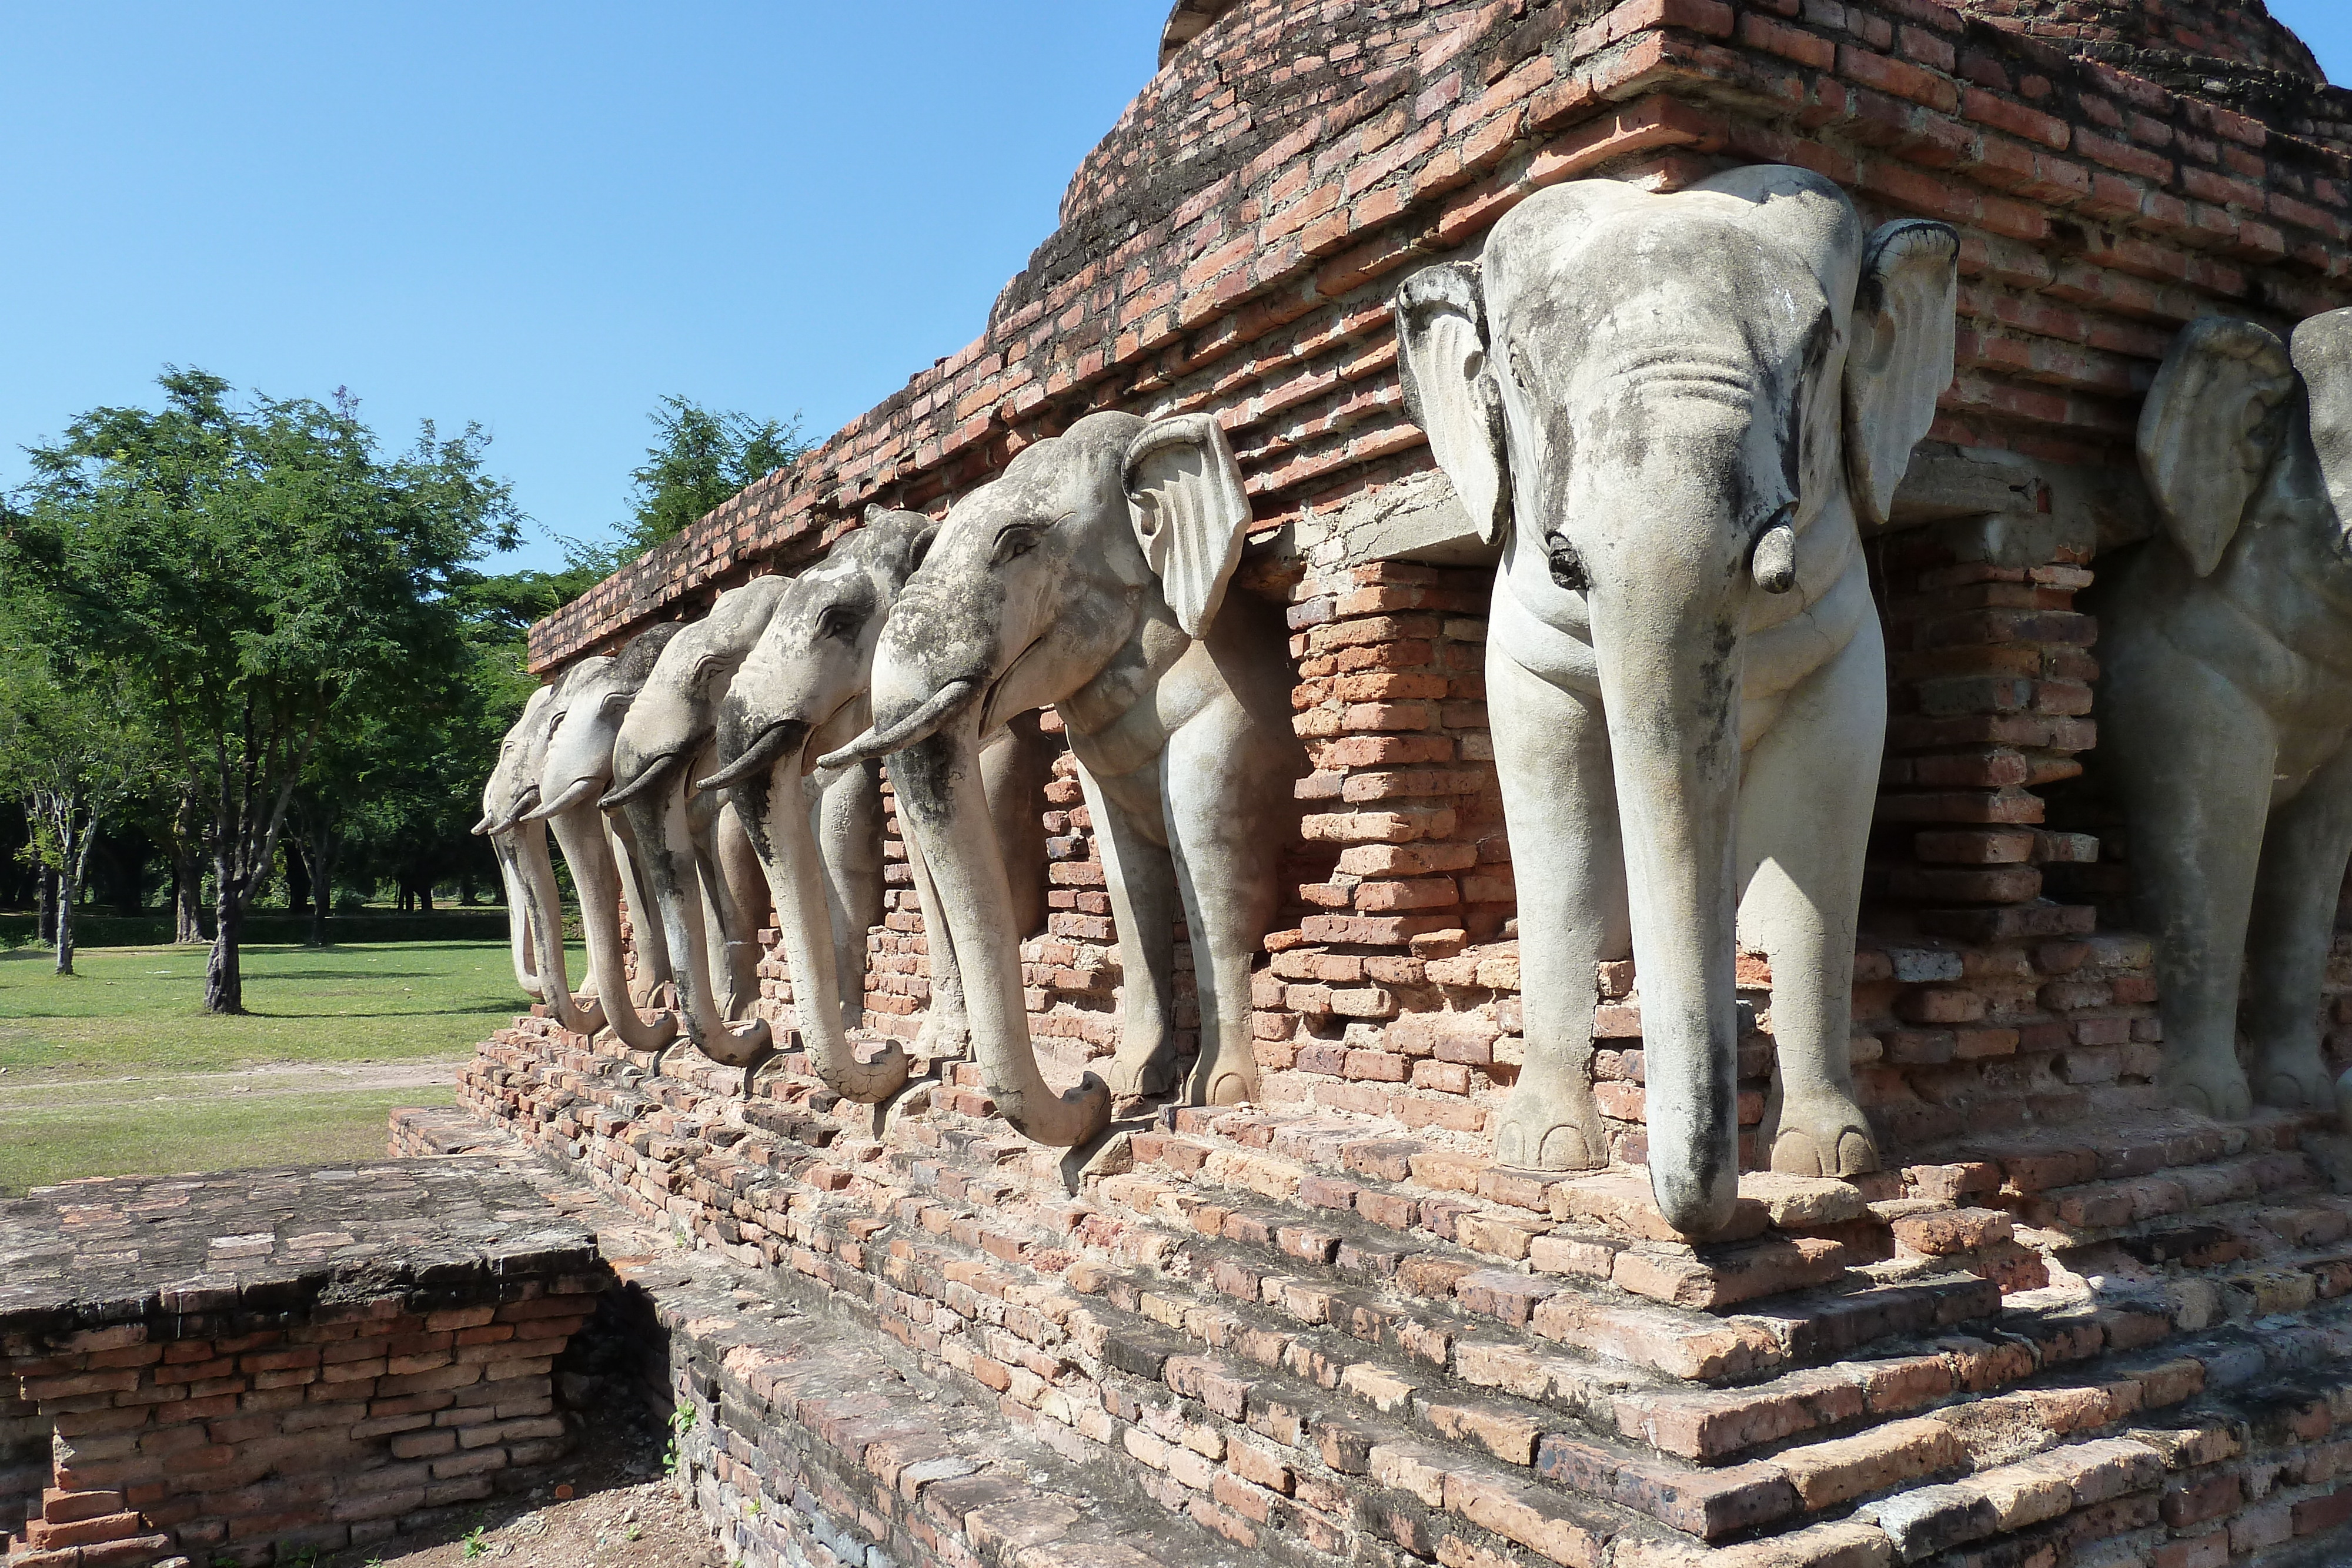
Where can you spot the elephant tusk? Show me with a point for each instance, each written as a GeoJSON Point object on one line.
{"type": "Point", "coordinates": [482, 827]}
{"type": "Point", "coordinates": [920, 724]}
{"type": "Point", "coordinates": [766, 750]}
{"type": "Point", "coordinates": [648, 777]}
{"type": "Point", "coordinates": [577, 791]}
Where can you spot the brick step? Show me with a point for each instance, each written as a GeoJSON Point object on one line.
{"type": "Point", "coordinates": [1003, 1269]}
{"type": "Point", "coordinates": [2093, 1210]}
{"type": "Point", "coordinates": [2024, 1165]}
{"type": "Point", "coordinates": [1494, 1460]}
{"type": "Point", "coordinates": [1401, 1380]}
{"type": "Point", "coordinates": [841, 1429]}
{"type": "Point", "coordinates": [2237, 1233]}
{"type": "Point", "coordinates": [1787, 1233]}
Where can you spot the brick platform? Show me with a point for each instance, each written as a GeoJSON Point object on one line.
{"type": "Point", "coordinates": [233, 1368]}
{"type": "Point", "coordinates": [1327, 1341]}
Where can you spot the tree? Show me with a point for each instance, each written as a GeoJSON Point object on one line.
{"type": "Point", "coordinates": [261, 574]}
{"type": "Point", "coordinates": [701, 459]}
{"type": "Point", "coordinates": [73, 749]}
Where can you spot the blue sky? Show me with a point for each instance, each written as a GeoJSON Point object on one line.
{"type": "Point", "coordinates": [543, 217]}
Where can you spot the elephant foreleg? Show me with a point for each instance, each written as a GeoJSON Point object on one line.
{"type": "Point", "coordinates": [2197, 814]}
{"type": "Point", "coordinates": [848, 822]}
{"type": "Point", "coordinates": [1015, 766]}
{"type": "Point", "coordinates": [740, 890]}
{"type": "Point", "coordinates": [645, 930]}
{"type": "Point", "coordinates": [546, 904]}
{"type": "Point", "coordinates": [1551, 750]}
{"type": "Point", "coordinates": [1141, 877]}
{"type": "Point", "coordinates": [946, 1032]}
{"type": "Point", "coordinates": [2294, 925]}
{"type": "Point", "coordinates": [597, 876]}
{"type": "Point", "coordinates": [1805, 806]}
{"type": "Point", "coordinates": [1227, 788]}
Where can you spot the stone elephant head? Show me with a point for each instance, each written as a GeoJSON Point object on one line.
{"type": "Point", "coordinates": [705, 885]}
{"type": "Point", "coordinates": [1672, 411]}
{"type": "Point", "coordinates": [500, 794]}
{"type": "Point", "coordinates": [576, 771]}
{"type": "Point", "coordinates": [526, 831]}
{"type": "Point", "coordinates": [1091, 575]}
{"type": "Point", "coordinates": [800, 693]}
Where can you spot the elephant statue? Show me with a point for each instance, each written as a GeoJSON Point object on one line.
{"type": "Point", "coordinates": [706, 885]}
{"type": "Point", "coordinates": [1091, 575]}
{"type": "Point", "coordinates": [577, 769]}
{"type": "Point", "coordinates": [1673, 412]}
{"type": "Point", "coordinates": [802, 692]}
{"type": "Point", "coordinates": [2226, 701]}
{"type": "Point", "coordinates": [582, 1014]}
{"type": "Point", "coordinates": [500, 793]}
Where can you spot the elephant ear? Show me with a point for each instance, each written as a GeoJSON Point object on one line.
{"type": "Point", "coordinates": [1189, 512]}
{"type": "Point", "coordinates": [1450, 391]}
{"type": "Point", "coordinates": [1899, 359]}
{"type": "Point", "coordinates": [2322, 357]}
{"type": "Point", "coordinates": [2205, 435]}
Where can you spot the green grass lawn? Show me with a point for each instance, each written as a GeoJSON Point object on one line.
{"type": "Point", "coordinates": [118, 1068]}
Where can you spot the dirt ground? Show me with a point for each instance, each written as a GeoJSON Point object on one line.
{"type": "Point", "coordinates": [623, 1513]}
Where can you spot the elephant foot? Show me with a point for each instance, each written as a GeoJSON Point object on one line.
{"type": "Point", "coordinates": [1141, 1074]}
{"type": "Point", "coordinates": [1223, 1083]}
{"type": "Point", "coordinates": [1823, 1134]}
{"type": "Point", "coordinates": [941, 1039]}
{"type": "Point", "coordinates": [2208, 1086]}
{"type": "Point", "coordinates": [2293, 1080]}
{"type": "Point", "coordinates": [1551, 1127]}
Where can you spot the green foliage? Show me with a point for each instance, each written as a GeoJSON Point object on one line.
{"type": "Point", "coordinates": [260, 575]}
{"type": "Point", "coordinates": [681, 1422]}
{"type": "Point", "coordinates": [702, 457]}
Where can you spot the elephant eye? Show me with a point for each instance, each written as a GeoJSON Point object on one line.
{"type": "Point", "coordinates": [1017, 540]}
{"type": "Point", "coordinates": [839, 623]}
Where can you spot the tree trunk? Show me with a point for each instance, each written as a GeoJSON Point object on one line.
{"type": "Point", "coordinates": [188, 897]}
{"type": "Point", "coordinates": [319, 855]}
{"type": "Point", "coordinates": [424, 897]}
{"type": "Point", "coordinates": [66, 890]}
{"type": "Point", "coordinates": [224, 974]}
{"type": "Point", "coordinates": [48, 895]}
{"type": "Point", "coordinates": [298, 879]}
{"type": "Point", "coordinates": [187, 872]}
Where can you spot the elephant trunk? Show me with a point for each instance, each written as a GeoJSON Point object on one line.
{"type": "Point", "coordinates": [945, 810]}
{"type": "Point", "coordinates": [1670, 687]}
{"type": "Point", "coordinates": [546, 905]}
{"type": "Point", "coordinates": [776, 810]}
{"type": "Point", "coordinates": [580, 832]}
{"type": "Point", "coordinates": [668, 865]}
{"type": "Point", "coordinates": [519, 936]}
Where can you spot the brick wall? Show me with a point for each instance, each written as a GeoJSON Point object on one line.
{"type": "Point", "coordinates": [1232, 244]}
{"type": "Point", "coordinates": [243, 1369]}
